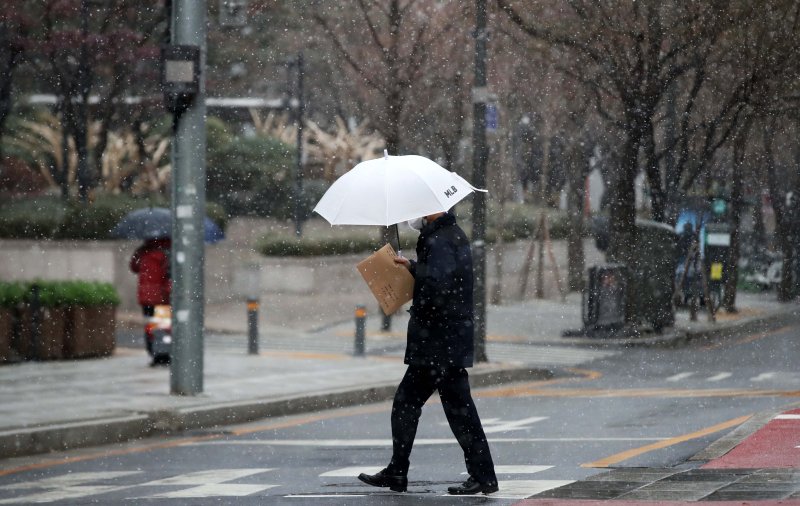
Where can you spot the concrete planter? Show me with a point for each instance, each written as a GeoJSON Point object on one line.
{"type": "Point", "coordinates": [50, 342]}
{"type": "Point", "coordinates": [6, 333]}
{"type": "Point", "coordinates": [90, 332]}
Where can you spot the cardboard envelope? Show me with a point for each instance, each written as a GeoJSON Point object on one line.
{"type": "Point", "coordinates": [390, 283]}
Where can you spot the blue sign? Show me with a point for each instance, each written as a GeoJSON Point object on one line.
{"type": "Point", "coordinates": [491, 117]}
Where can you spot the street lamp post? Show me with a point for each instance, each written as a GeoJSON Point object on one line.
{"type": "Point", "coordinates": [299, 105]}
{"type": "Point", "coordinates": [480, 96]}
{"type": "Point", "coordinates": [82, 119]}
{"type": "Point", "coordinates": [183, 71]}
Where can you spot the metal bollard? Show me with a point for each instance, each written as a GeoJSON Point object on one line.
{"type": "Point", "coordinates": [36, 323]}
{"type": "Point", "coordinates": [361, 330]}
{"type": "Point", "coordinates": [386, 324]}
{"type": "Point", "coordinates": [252, 326]}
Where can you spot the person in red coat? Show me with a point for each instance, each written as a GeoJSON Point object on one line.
{"type": "Point", "coordinates": [151, 262]}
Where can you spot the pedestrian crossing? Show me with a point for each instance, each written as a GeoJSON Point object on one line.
{"type": "Point", "coordinates": [723, 376]}
{"type": "Point", "coordinates": [514, 481]}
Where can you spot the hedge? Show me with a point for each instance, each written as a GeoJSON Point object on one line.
{"type": "Point", "coordinates": [53, 218]}
{"type": "Point", "coordinates": [272, 245]}
{"type": "Point", "coordinates": [11, 294]}
{"type": "Point", "coordinates": [59, 293]}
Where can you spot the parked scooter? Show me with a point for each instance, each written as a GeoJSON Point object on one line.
{"type": "Point", "coordinates": [158, 333]}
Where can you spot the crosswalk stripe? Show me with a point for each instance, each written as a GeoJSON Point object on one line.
{"type": "Point", "coordinates": [519, 469]}
{"type": "Point", "coordinates": [351, 471]}
{"type": "Point", "coordinates": [212, 490]}
{"type": "Point", "coordinates": [512, 425]}
{"type": "Point", "coordinates": [721, 376]}
{"type": "Point", "coordinates": [350, 443]}
{"type": "Point", "coordinates": [520, 489]}
{"type": "Point", "coordinates": [204, 477]}
{"type": "Point", "coordinates": [680, 376]}
{"type": "Point", "coordinates": [764, 376]}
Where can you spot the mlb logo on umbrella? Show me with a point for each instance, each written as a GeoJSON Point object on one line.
{"type": "Point", "coordinates": [450, 192]}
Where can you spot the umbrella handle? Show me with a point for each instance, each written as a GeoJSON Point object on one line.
{"type": "Point", "coordinates": [397, 235]}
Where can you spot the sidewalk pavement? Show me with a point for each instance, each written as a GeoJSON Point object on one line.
{"type": "Point", "coordinates": [50, 406]}
{"type": "Point", "coordinates": [758, 463]}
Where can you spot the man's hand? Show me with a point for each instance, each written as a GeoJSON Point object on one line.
{"type": "Point", "coordinates": [404, 261]}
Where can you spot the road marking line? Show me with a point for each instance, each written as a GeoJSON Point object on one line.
{"type": "Point", "coordinates": [322, 496]}
{"type": "Point", "coordinates": [522, 391]}
{"type": "Point", "coordinates": [519, 469]}
{"type": "Point", "coordinates": [68, 486]}
{"type": "Point", "coordinates": [520, 489]}
{"type": "Point", "coordinates": [511, 391]}
{"type": "Point", "coordinates": [352, 471]}
{"type": "Point", "coordinates": [748, 339]}
{"type": "Point", "coordinates": [764, 376]}
{"type": "Point", "coordinates": [212, 490]}
{"type": "Point", "coordinates": [619, 457]}
{"type": "Point", "coordinates": [211, 476]}
{"type": "Point", "coordinates": [68, 480]}
{"type": "Point", "coordinates": [293, 422]}
{"type": "Point", "coordinates": [721, 376]}
{"type": "Point", "coordinates": [513, 425]}
{"type": "Point", "coordinates": [680, 376]}
{"type": "Point", "coordinates": [350, 443]}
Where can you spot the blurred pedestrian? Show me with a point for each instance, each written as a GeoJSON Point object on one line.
{"type": "Point", "coordinates": [151, 261]}
{"type": "Point", "coordinates": [439, 348]}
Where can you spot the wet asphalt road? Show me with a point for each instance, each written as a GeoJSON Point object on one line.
{"type": "Point", "coordinates": [638, 408]}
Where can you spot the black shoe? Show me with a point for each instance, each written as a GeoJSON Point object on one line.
{"type": "Point", "coordinates": [384, 478]}
{"type": "Point", "coordinates": [472, 487]}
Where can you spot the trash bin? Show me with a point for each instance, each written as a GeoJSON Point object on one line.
{"type": "Point", "coordinates": [653, 275]}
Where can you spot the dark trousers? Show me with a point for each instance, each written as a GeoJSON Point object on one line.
{"type": "Point", "coordinates": [417, 386]}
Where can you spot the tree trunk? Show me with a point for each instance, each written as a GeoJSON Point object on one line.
{"type": "Point", "coordinates": [575, 202]}
{"type": "Point", "coordinates": [622, 205]}
{"type": "Point", "coordinates": [623, 237]}
{"type": "Point", "coordinates": [781, 225]}
{"type": "Point", "coordinates": [657, 197]}
{"type": "Point", "coordinates": [737, 203]}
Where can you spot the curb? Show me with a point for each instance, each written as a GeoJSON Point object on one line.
{"type": "Point", "coordinates": [731, 440]}
{"type": "Point", "coordinates": [674, 338]}
{"type": "Point", "coordinates": [103, 431]}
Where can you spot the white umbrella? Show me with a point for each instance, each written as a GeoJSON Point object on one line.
{"type": "Point", "coordinates": [389, 190]}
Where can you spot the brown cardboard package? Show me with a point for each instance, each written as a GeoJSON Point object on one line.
{"type": "Point", "coordinates": [390, 283]}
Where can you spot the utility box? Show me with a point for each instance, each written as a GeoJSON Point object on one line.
{"type": "Point", "coordinates": [715, 257]}
{"type": "Point", "coordinates": [653, 276]}
{"type": "Point", "coordinates": [604, 300]}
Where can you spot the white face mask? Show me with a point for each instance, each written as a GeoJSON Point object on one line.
{"type": "Point", "coordinates": [416, 223]}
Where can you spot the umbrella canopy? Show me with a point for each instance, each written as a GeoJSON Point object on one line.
{"type": "Point", "coordinates": [390, 190]}
{"type": "Point", "coordinates": [156, 222]}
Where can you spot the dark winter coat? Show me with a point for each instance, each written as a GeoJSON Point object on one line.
{"type": "Point", "coordinates": [440, 331]}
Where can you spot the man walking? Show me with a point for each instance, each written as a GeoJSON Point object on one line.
{"type": "Point", "coordinates": [439, 348]}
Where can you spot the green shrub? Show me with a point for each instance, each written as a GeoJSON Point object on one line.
{"type": "Point", "coordinates": [53, 293]}
{"type": "Point", "coordinates": [87, 294]}
{"type": "Point", "coordinates": [52, 218]}
{"type": "Point", "coordinates": [94, 221]}
{"type": "Point", "coordinates": [12, 294]}
{"type": "Point", "coordinates": [37, 218]}
{"type": "Point", "coordinates": [217, 214]}
{"type": "Point", "coordinates": [252, 176]}
{"type": "Point", "coordinates": [313, 246]}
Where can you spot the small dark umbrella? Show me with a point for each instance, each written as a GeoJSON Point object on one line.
{"type": "Point", "coordinates": [156, 222]}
